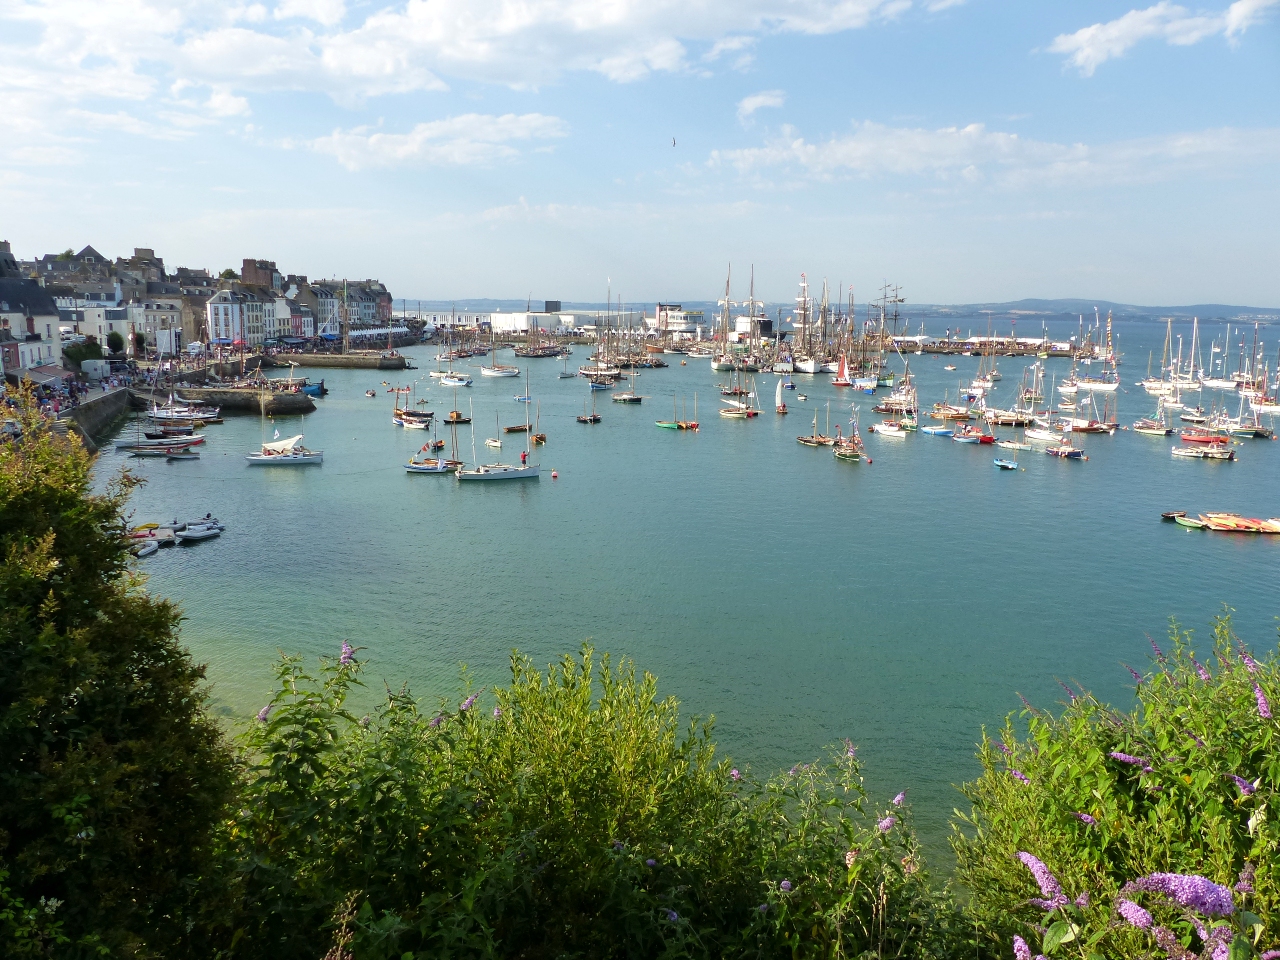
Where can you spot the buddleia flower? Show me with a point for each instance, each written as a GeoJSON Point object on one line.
{"type": "Point", "coordinates": [1045, 880]}
{"type": "Point", "coordinates": [348, 654]}
{"type": "Point", "coordinates": [1133, 914]}
{"type": "Point", "coordinates": [1264, 708]}
{"type": "Point", "coordinates": [1189, 890]}
{"type": "Point", "coordinates": [262, 714]}
{"type": "Point", "coordinates": [1204, 674]}
{"type": "Point", "coordinates": [1245, 786]}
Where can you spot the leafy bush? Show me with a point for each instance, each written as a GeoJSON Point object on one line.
{"type": "Point", "coordinates": [1184, 785]}
{"type": "Point", "coordinates": [76, 353]}
{"type": "Point", "coordinates": [570, 818]}
{"type": "Point", "coordinates": [111, 773]}
{"type": "Point", "coordinates": [115, 341]}
{"type": "Point", "coordinates": [139, 342]}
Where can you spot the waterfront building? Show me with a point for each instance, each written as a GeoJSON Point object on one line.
{"type": "Point", "coordinates": [671, 318]}
{"type": "Point", "coordinates": [29, 321]}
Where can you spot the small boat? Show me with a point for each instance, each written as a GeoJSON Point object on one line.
{"type": "Point", "coordinates": [970, 434]}
{"type": "Point", "coordinates": [778, 405]}
{"type": "Point", "coordinates": [456, 380]}
{"type": "Point", "coordinates": [801, 397]}
{"type": "Point", "coordinates": [938, 431]}
{"type": "Point", "coordinates": [499, 370]}
{"type": "Point", "coordinates": [285, 453]}
{"type": "Point", "coordinates": [1191, 523]}
{"type": "Point", "coordinates": [493, 442]}
{"type": "Point", "coordinates": [1173, 515]}
{"type": "Point", "coordinates": [1066, 451]}
{"type": "Point", "coordinates": [1013, 445]}
{"type": "Point", "coordinates": [523, 399]}
{"type": "Point", "coordinates": [202, 532]}
{"type": "Point", "coordinates": [183, 455]}
{"type": "Point", "coordinates": [1200, 435]}
{"type": "Point", "coordinates": [1006, 464]}
{"type": "Point", "coordinates": [432, 465]}
{"type": "Point", "coordinates": [591, 417]}
{"type": "Point", "coordinates": [949, 367]}
{"type": "Point", "coordinates": [370, 393]}
{"type": "Point", "coordinates": [1213, 452]}
{"type": "Point", "coordinates": [147, 549]}
{"type": "Point", "coordinates": [889, 428]}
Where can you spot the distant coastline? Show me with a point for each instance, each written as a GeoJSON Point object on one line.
{"type": "Point", "coordinates": [1027, 309]}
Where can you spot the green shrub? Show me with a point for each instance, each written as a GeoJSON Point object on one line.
{"type": "Point", "coordinates": [111, 774]}
{"type": "Point", "coordinates": [566, 817]}
{"type": "Point", "coordinates": [115, 341]}
{"type": "Point", "coordinates": [76, 353]}
{"type": "Point", "coordinates": [1185, 784]}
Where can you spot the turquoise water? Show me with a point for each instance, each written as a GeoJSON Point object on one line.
{"type": "Point", "coordinates": [901, 603]}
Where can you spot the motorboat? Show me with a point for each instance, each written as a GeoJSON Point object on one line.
{"type": "Point", "coordinates": [455, 380]}
{"type": "Point", "coordinates": [1216, 452]}
{"type": "Point", "coordinates": [285, 453]}
{"type": "Point", "coordinates": [203, 532]}
{"type": "Point", "coordinates": [147, 549]}
{"type": "Point", "coordinates": [1006, 464]}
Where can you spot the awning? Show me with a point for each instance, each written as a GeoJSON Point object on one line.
{"type": "Point", "coordinates": [224, 341]}
{"type": "Point", "coordinates": [47, 374]}
{"type": "Point", "coordinates": [328, 336]}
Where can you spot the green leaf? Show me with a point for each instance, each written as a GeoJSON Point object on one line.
{"type": "Point", "coordinates": [1240, 949]}
{"type": "Point", "coordinates": [1060, 932]}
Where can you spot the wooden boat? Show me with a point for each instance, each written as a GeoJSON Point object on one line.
{"type": "Point", "coordinates": [938, 431]}
{"type": "Point", "coordinates": [778, 405]}
{"type": "Point", "coordinates": [499, 471]}
{"type": "Point", "coordinates": [1198, 435]}
{"type": "Point", "coordinates": [970, 434]}
{"type": "Point", "coordinates": [817, 439]}
{"type": "Point", "coordinates": [1006, 464]}
{"type": "Point", "coordinates": [1066, 451]}
{"type": "Point", "coordinates": [890, 428]}
{"type": "Point", "coordinates": [841, 379]}
{"type": "Point", "coordinates": [1190, 522]}
{"type": "Point", "coordinates": [591, 417]}
{"type": "Point", "coordinates": [1013, 445]}
{"type": "Point", "coordinates": [947, 411]}
{"type": "Point", "coordinates": [184, 455]}
{"type": "Point", "coordinates": [1172, 515]}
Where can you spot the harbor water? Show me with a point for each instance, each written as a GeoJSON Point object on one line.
{"type": "Point", "coordinates": [903, 602]}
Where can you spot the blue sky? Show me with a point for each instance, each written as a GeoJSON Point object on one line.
{"type": "Point", "coordinates": [970, 150]}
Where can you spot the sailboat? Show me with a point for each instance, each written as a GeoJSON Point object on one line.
{"type": "Point", "coordinates": [677, 424]}
{"type": "Point", "coordinates": [591, 417]}
{"type": "Point", "coordinates": [436, 464]}
{"type": "Point", "coordinates": [498, 470]}
{"type": "Point", "coordinates": [778, 405]}
{"type": "Point", "coordinates": [522, 427]}
{"type": "Point", "coordinates": [496, 369]}
{"type": "Point", "coordinates": [629, 395]}
{"type": "Point", "coordinates": [565, 374]}
{"type": "Point", "coordinates": [817, 439]}
{"type": "Point", "coordinates": [1156, 426]}
{"type": "Point", "coordinates": [849, 448]}
{"type": "Point", "coordinates": [537, 436]}
{"type": "Point", "coordinates": [841, 379]}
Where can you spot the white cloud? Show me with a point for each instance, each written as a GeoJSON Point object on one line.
{"type": "Point", "coordinates": [468, 139]}
{"type": "Point", "coordinates": [1090, 47]}
{"type": "Point", "coordinates": [224, 103]}
{"type": "Point", "coordinates": [974, 153]}
{"type": "Point", "coordinates": [765, 98]}
{"type": "Point", "coordinates": [325, 12]}
{"type": "Point", "coordinates": [937, 5]}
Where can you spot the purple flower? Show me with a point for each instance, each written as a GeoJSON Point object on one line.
{"type": "Point", "coordinates": [348, 654]}
{"type": "Point", "coordinates": [897, 801]}
{"type": "Point", "coordinates": [436, 720]}
{"type": "Point", "coordinates": [1136, 675]}
{"type": "Point", "coordinates": [1134, 914]}
{"type": "Point", "coordinates": [1199, 742]}
{"type": "Point", "coordinates": [849, 749]}
{"type": "Point", "coordinates": [1245, 786]}
{"type": "Point", "coordinates": [1204, 674]}
{"type": "Point", "coordinates": [763, 908]}
{"type": "Point", "coordinates": [1085, 819]}
{"type": "Point", "coordinates": [1197, 893]}
{"type": "Point", "coordinates": [1026, 704]}
{"type": "Point", "coordinates": [497, 711]}
{"type": "Point", "coordinates": [1018, 774]}
{"type": "Point", "coordinates": [466, 704]}
{"type": "Point", "coordinates": [1245, 884]}
{"type": "Point", "coordinates": [1020, 949]}
{"type": "Point", "coordinates": [1159, 652]}
{"type": "Point", "coordinates": [651, 863]}
{"type": "Point", "coordinates": [1070, 693]}
{"type": "Point", "coordinates": [1128, 758]}
{"type": "Point", "coordinates": [1045, 880]}
{"type": "Point", "coordinates": [1082, 901]}
{"type": "Point", "coordinates": [1270, 955]}
{"type": "Point", "coordinates": [734, 774]}
{"type": "Point", "coordinates": [262, 714]}
{"type": "Point", "coordinates": [1249, 663]}
{"type": "Point", "coordinates": [792, 771]}
{"type": "Point", "coordinates": [672, 916]}
{"type": "Point", "coordinates": [887, 824]}
{"type": "Point", "coordinates": [785, 886]}
{"type": "Point", "coordinates": [1000, 745]}
{"type": "Point", "coordinates": [1264, 708]}
{"type": "Point", "coordinates": [617, 844]}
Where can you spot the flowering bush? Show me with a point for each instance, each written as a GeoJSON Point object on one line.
{"type": "Point", "coordinates": [1153, 826]}
{"type": "Point", "coordinates": [572, 818]}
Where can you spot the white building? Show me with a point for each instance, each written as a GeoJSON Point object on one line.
{"type": "Point", "coordinates": [522, 323]}
{"type": "Point", "coordinates": [672, 318]}
{"type": "Point", "coordinates": [225, 315]}
{"type": "Point", "coordinates": [152, 318]}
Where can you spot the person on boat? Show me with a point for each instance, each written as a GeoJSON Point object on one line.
{"type": "Point", "coordinates": [524, 456]}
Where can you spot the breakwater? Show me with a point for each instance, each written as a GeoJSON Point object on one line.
{"type": "Point", "coordinates": [95, 416]}
{"type": "Point", "coordinates": [349, 361]}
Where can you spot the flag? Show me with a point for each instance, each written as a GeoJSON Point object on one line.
{"type": "Point", "coordinates": [277, 436]}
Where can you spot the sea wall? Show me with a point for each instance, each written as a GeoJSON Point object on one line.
{"type": "Point", "coordinates": [249, 399]}
{"type": "Point", "coordinates": [94, 416]}
{"type": "Point", "coordinates": [351, 361]}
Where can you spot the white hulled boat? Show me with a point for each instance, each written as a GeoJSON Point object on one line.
{"type": "Point", "coordinates": [285, 453]}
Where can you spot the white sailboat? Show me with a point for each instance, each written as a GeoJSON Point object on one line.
{"type": "Point", "coordinates": [285, 453]}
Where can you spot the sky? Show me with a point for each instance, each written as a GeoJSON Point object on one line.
{"type": "Point", "coordinates": [967, 150]}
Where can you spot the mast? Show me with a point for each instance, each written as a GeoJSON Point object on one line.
{"type": "Point", "coordinates": [346, 321]}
